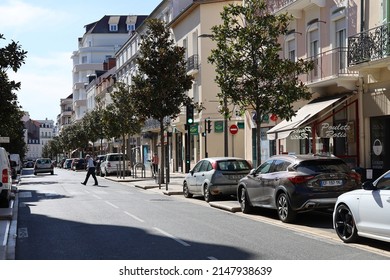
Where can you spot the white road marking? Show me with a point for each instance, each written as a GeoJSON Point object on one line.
{"type": "Point", "coordinates": [6, 234]}
{"type": "Point", "coordinates": [134, 217]}
{"type": "Point", "coordinates": [22, 233]}
{"type": "Point", "coordinates": [96, 196]}
{"type": "Point", "coordinates": [113, 205]}
{"type": "Point", "coordinates": [173, 237]}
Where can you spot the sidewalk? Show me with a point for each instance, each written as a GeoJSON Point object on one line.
{"type": "Point", "coordinates": [174, 187]}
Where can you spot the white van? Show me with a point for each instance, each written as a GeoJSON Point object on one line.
{"type": "Point", "coordinates": [16, 158]}
{"type": "Point", "coordinates": [6, 179]}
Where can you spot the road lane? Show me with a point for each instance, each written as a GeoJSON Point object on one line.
{"type": "Point", "coordinates": [66, 220]}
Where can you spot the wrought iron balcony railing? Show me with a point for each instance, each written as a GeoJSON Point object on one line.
{"type": "Point", "coordinates": [328, 65]}
{"type": "Point", "coordinates": [369, 45]}
{"type": "Point", "coordinates": [192, 63]}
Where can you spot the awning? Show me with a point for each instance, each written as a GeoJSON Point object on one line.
{"type": "Point", "coordinates": [283, 129]}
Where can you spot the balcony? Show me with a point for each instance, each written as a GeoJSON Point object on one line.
{"type": "Point", "coordinates": [293, 6]}
{"type": "Point", "coordinates": [371, 47]}
{"type": "Point", "coordinates": [330, 67]}
{"type": "Point", "coordinates": [192, 65]}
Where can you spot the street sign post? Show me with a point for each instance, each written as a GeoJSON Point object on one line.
{"type": "Point", "coordinates": [233, 129]}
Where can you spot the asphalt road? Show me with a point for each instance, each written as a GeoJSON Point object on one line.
{"type": "Point", "coordinates": [60, 219]}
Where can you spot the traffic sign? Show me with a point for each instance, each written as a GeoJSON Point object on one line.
{"type": "Point", "coordinates": [233, 129]}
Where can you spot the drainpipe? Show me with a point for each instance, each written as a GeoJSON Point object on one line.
{"type": "Point", "coordinates": [361, 126]}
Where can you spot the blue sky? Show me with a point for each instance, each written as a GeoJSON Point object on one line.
{"type": "Point", "coordinates": [48, 30]}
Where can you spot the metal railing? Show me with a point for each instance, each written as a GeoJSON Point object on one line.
{"type": "Point", "coordinates": [329, 64]}
{"type": "Point", "coordinates": [369, 45]}
{"type": "Point", "coordinates": [192, 63]}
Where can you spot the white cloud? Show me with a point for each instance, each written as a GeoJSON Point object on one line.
{"type": "Point", "coordinates": [44, 81]}
{"type": "Point", "coordinates": [25, 16]}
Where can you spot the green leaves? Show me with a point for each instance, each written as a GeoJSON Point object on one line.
{"type": "Point", "coordinates": [250, 70]}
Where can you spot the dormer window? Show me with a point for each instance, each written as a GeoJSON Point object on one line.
{"type": "Point", "coordinates": [113, 27]}
{"type": "Point", "coordinates": [130, 27]}
{"type": "Point", "coordinates": [113, 23]}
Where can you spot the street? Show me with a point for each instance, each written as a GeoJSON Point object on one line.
{"type": "Point", "coordinates": [61, 219]}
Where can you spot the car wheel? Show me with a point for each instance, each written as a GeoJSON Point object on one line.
{"type": "Point", "coordinates": [285, 213]}
{"type": "Point", "coordinates": [244, 202]}
{"type": "Point", "coordinates": [4, 202]}
{"type": "Point", "coordinates": [344, 224]}
{"type": "Point", "coordinates": [207, 195]}
{"type": "Point", "coordinates": [186, 191]}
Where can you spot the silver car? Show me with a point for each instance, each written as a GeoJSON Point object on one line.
{"type": "Point", "coordinates": [217, 176]}
{"type": "Point", "coordinates": [43, 165]}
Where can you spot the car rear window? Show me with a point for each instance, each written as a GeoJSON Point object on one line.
{"type": "Point", "coordinates": [116, 157]}
{"type": "Point", "coordinates": [323, 166]}
{"type": "Point", "coordinates": [233, 165]}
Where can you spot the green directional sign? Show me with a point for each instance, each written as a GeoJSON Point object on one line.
{"type": "Point", "coordinates": [194, 129]}
{"type": "Point", "coordinates": [218, 126]}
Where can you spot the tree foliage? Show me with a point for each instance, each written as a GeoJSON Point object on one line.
{"type": "Point", "coordinates": [122, 117]}
{"type": "Point", "coordinates": [162, 82]}
{"type": "Point", "coordinates": [11, 125]}
{"type": "Point", "coordinates": [250, 70]}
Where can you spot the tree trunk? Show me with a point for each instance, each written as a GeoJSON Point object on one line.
{"type": "Point", "coordinates": [258, 138]}
{"type": "Point", "coordinates": [123, 155]}
{"type": "Point", "coordinates": [162, 157]}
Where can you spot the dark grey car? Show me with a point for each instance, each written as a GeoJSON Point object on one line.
{"type": "Point", "coordinates": [296, 183]}
{"type": "Point", "coordinates": [217, 176]}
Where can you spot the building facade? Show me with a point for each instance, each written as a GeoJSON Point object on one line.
{"type": "Point", "coordinates": [329, 123]}
{"type": "Point", "coordinates": [101, 40]}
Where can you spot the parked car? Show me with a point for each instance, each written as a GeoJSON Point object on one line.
{"type": "Point", "coordinates": [217, 176]}
{"type": "Point", "coordinates": [111, 163]}
{"type": "Point", "coordinates": [43, 165]}
{"type": "Point", "coordinates": [68, 163]}
{"type": "Point", "coordinates": [78, 164]}
{"type": "Point", "coordinates": [296, 183]}
{"type": "Point", "coordinates": [364, 212]}
{"type": "Point", "coordinates": [29, 164]}
{"type": "Point", "coordinates": [6, 179]}
{"type": "Point", "coordinates": [99, 160]}
{"type": "Point", "coordinates": [18, 162]}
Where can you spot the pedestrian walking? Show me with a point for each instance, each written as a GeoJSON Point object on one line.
{"type": "Point", "coordinates": [154, 164]}
{"type": "Point", "coordinates": [90, 170]}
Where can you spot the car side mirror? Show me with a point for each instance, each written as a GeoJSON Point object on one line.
{"type": "Point", "coordinates": [252, 172]}
{"type": "Point", "coordinates": [368, 185]}
{"type": "Point", "coordinates": [192, 172]}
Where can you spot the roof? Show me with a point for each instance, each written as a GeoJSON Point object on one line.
{"type": "Point", "coordinates": [102, 25]}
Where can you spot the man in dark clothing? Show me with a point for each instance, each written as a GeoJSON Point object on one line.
{"type": "Point", "coordinates": [90, 171]}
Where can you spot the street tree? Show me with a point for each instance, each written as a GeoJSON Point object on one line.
{"type": "Point", "coordinates": [161, 83]}
{"type": "Point", "coordinates": [122, 117]}
{"type": "Point", "coordinates": [250, 70]}
{"type": "Point", "coordinates": [12, 57]}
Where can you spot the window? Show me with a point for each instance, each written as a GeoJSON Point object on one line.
{"type": "Point", "coordinates": [113, 27]}
{"type": "Point", "coordinates": [130, 27]}
{"type": "Point", "coordinates": [341, 43]}
{"type": "Point", "coordinates": [265, 167]}
{"type": "Point", "coordinates": [291, 49]}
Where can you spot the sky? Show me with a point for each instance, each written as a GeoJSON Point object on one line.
{"type": "Point", "coordinates": [49, 30]}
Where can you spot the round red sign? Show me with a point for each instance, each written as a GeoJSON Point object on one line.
{"type": "Point", "coordinates": [233, 129]}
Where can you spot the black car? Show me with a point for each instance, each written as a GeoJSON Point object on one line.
{"type": "Point", "coordinates": [296, 183]}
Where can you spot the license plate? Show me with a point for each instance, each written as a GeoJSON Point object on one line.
{"type": "Point", "coordinates": [235, 177]}
{"type": "Point", "coordinates": [331, 183]}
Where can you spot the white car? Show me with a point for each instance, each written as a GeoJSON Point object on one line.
{"type": "Point", "coordinates": [364, 212]}
{"type": "Point", "coordinates": [113, 164]}
{"type": "Point", "coordinates": [6, 179]}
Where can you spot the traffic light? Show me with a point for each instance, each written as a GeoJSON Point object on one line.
{"type": "Point", "coordinates": [190, 114]}
{"type": "Point", "coordinates": [208, 126]}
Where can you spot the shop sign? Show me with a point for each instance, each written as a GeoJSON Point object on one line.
{"type": "Point", "coordinates": [334, 131]}
{"type": "Point", "coordinates": [301, 133]}
{"type": "Point", "coordinates": [218, 126]}
{"type": "Point", "coordinates": [194, 129]}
